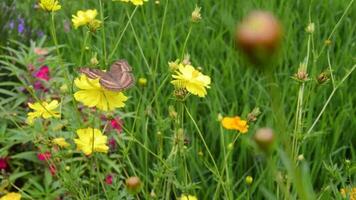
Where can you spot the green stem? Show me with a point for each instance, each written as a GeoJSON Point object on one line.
{"type": "Point", "coordinates": [103, 31]}
{"type": "Point", "coordinates": [186, 41]}
{"type": "Point", "coordinates": [122, 34]}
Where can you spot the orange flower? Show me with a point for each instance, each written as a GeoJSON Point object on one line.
{"type": "Point", "coordinates": [235, 123]}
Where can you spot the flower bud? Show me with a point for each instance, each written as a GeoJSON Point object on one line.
{"type": "Point", "coordinates": [322, 78]}
{"type": "Point", "coordinates": [142, 82]}
{"type": "Point", "coordinates": [301, 157]}
{"type": "Point", "coordinates": [94, 60]}
{"type": "Point", "coordinates": [230, 146]}
{"type": "Point", "coordinates": [133, 184]}
{"type": "Point", "coordinates": [252, 116]}
{"type": "Point", "coordinates": [249, 180]}
{"type": "Point", "coordinates": [196, 16]}
{"type": "Point", "coordinates": [264, 138]}
{"type": "Point", "coordinates": [259, 35]}
{"type": "Point", "coordinates": [310, 28]}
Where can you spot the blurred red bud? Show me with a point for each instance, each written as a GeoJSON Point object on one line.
{"type": "Point", "coordinates": [258, 36]}
{"type": "Point", "coordinates": [133, 184]}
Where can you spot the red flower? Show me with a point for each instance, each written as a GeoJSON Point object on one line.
{"type": "Point", "coordinates": [43, 73]}
{"type": "Point", "coordinates": [44, 156]}
{"type": "Point", "coordinates": [3, 163]}
{"type": "Point", "coordinates": [108, 179]}
{"type": "Point", "coordinates": [116, 123]}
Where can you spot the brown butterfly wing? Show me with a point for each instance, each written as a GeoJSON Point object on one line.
{"type": "Point", "coordinates": [91, 73]}
{"type": "Point", "coordinates": [119, 77]}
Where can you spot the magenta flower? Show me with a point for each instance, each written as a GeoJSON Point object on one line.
{"type": "Point", "coordinates": [116, 124]}
{"type": "Point", "coordinates": [3, 163]}
{"type": "Point", "coordinates": [108, 179]}
{"type": "Point", "coordinates": [112, 143]}
{"type": "Point", "coordinates": [43, 73]}
{"type": "Point", "coordinates": [44, 156]}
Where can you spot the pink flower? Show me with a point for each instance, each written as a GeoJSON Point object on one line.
{"type": "Point", "coordinates": [52, 169]}
{"type": "Point", "coordinates": [116, 123]}
{"type": "Point", "coordinates": [44, 156]}
{"type": "Point", "coordinates": [3, 163]}
{"type": "Point", "coordinates": [43, 73]}
{"type": "Point", "coordinates": [108, 179]}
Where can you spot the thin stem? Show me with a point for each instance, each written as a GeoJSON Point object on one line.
{"type": "Point", "coordinates": [328, 100]}
{"type": "Point", "coordinates": [103, 31]}
{"type": "Point", "coordinates": [186, 41]}
{"type": "Point", "coordinates": [83, 48]}
{"type": "Point", "coordinates": [122, 34]}
{"type": "Point", "coordinates": [207, 149]}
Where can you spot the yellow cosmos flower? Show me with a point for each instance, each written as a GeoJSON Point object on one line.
{"type": "Point", "coordinates": [50, 5]}
{"type": "Point", "coordinates": [11, 196]}
{"type": "Point", "coordinates": [191, 79]}
{"type": "Point", "coordinates": [42, 109]}
{"type": "Point", "coordinates": [135, 2]}
{"type": "Point", "coordinates": [235, 123]}
{"type": "Point", "coordinates": [351, 193]}
{"type": "Point", "coordinates": [91, 140]}
{"type": "Point", "coordinates": [187, 197]}
{"type": "Point", "coordinates": [86, 18]}
{"type": "Point", "coordinates": [61, 142]}
{"type": "Point", "coordinates": [92, 94]}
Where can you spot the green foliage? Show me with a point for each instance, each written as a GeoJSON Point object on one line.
{"type": "Point", "coordinates": [180, 147]}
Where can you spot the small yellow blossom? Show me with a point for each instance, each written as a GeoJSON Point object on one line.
{"type": "Point", "coordinates": [348, 193]}
{"type": "Point", "coordinates": [135, 2]}
{"type": "Point", "coordinates": [192, 80]}
{"type": "Point", "coordinates": [11, 196]}
{"type": "Point", "coordinates": [187, 197]}
{"type": "Point", "coordinates": [50, 5]}
{"type": "Point", "coordinates": [61, 142]}
{"type": "Point", "coordinates": [42, 109]}
{"type": "Point", "coordinates": [235, 123]}
{"type": "Point", "coordinates": [92, 94]}
{"type": "Point", "coordinates": [86, 18]}
{"type": "Point", "coordinates": [91, 140]}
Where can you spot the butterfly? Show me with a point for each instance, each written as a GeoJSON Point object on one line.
{"type": "Point", "coordinates": [118, 78]}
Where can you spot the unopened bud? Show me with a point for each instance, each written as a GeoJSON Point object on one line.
{"type": "Point", "coordinates": [94, 60]}
{"type": "Point", "coordinates": [133, 184]}
{"type": "Point", "coordinates": [322, 78]}
{"type": "Point", "coordinates": [249, 180]}
{"type": "Point", "coordinates": [264, 138]}
{"type": "Point", "coordinates": [301, 157]}
{"type": "Point", "coordinates": [196, 16]}
{"type": "Point", "coordinates": [230, 146]}
{"type": "Point", "coordinates": [142, 82]}
{"type": "Point", "coordinates": [310, 28]}
{"type": "Point", "coordinates": [252, 116]}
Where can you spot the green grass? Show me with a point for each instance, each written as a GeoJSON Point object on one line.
{"type": "Point", "coordinates": [151, 146]}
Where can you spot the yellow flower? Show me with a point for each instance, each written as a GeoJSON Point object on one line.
{"type": "Point", "coordinates": [60, 142]}
{"type": "Point", "coordinates": [187, 197]}
{"type": "Point", "coordinates": [11, 196]}
{"type": "Point", "coordinates": [191, 79]}
{"type": "Point", "coordinates": [42, 109]}
{"type": "Point", "coordinates": [350, 193]}
{"type": "Point", "coordinates": [92, 94]}
{"type": "Point", "coordinates": [86, 18]}
{"type": "Point", "coordinates": [91, 140]}
{"type": "Point", "coordinates": [50, 5]}
{"type": "Point", "coordinates": [235, 123]}
{"type": "Point", "coordinates": [135, 2]}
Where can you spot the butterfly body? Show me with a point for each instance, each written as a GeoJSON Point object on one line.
{"type": "Point", "coordinates": [118, 78]}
